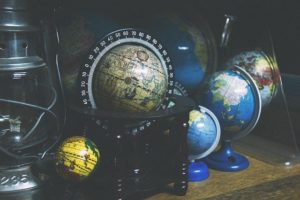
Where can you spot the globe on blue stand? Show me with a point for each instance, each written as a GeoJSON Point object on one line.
{"type": "Point", "coordinates": [226, 159]}
{"type": "Point", "coordinates": [203, 137]}
{"type": "Point", "coordinates": [232, 95]}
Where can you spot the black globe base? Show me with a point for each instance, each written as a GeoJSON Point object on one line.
{"type": "Point", "coordinates": [198, 171]}
{"type": "Point", "coordinates": [226, 159]}
{"type": "Point", "coordinates": [139, 164]}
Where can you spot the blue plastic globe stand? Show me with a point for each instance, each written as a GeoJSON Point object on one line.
{"type": "Point", "coordinates": [226, 159]}
{"type": "Point", "coordinates": [198, 171]}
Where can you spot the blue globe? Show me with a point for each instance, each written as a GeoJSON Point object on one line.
{"type": "Point", "coordinates": [233, 97]}
{"type": "Point", "coordinates": [262, 69]}
{"type": "Point", "coordinates": [190, 47]}
{"type": "Point", "coordinates": [203, 133]}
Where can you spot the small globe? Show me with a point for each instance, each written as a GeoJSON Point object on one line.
{"type": "Point", "coordinates": [261, 69]}
{"type": "Point", "coordinates": [190, 45]}
{"type": "Point", "coordinates": [203, 133]}
{"type": "Point", "coordinates": [129, 77]}
{"type": "Point", "coordinates": [204, 129]}
{"type": "Point", "coordinates": [76, 158]}
{"type": "Point", "coordinates": [233, 97]}
{"type": "Point", "coordinates": [78, 32]}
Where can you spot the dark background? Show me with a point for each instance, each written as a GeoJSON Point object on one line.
{"type": "Point", "coordinates": [281, 17]}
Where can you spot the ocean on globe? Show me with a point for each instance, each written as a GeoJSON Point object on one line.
{"type": "Point", "coordinates": [129, 77]}
{"type": "Point", "coordinates": [204, 129]}
{"type": "Point", "coordinates": [233, 97]}
{"type": "Point", "coordinates": [78, 32]}
{"type": "Point", "coordinates": [203, 134]}
{"type": "Point", "coordinates": [191, 47]}
{"type": "Point", "coordinates": [261, 69]}
{"type": "Point", "coordinates": [76, 158]}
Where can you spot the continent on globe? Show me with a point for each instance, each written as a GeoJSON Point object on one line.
{"type": "Point", "coordinates": [203, 133]}
{"type": "Point", "coordinates": [204, 129]}
{"type": "Point", "coordinates": [129, 77]}
{"type": "Point", "coordinates": [234, 98]}
{"type": "Point", "coordinates": [261, 69]}
{"type": "Point", "coordinates": [76, 158]}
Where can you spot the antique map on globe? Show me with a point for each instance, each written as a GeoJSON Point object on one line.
{"type": "Point", "coordinates": [129, 77]}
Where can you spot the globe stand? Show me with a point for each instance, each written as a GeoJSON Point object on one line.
{"type": "Point", "coordinates": [138, 172]}
{"type": "Point", "coordinates": [198, 171]}
{"type": "Point", "coordinates": [226, 159]}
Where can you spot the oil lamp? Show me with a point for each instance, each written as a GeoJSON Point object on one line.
{"type": "Point", "coordinates": [28, 101]}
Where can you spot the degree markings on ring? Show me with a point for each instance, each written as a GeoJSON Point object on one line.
{"type": "Point", "coordinates": [124, 36]}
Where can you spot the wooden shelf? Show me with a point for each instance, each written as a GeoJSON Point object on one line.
{"type": "Point", "coordinates": [260, 181]}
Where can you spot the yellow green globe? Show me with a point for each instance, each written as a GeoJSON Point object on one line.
{"type": "Point", "coordinates": [129, 77]}
{"type": "Point", "coordinates": [76, 158]}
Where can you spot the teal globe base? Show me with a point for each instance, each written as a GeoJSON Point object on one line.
{"type": "Point", "coordinates": [226, 159]}
{"type": "Point", "coordinates": [198, 171]}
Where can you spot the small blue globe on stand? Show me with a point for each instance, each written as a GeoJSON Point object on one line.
{"type": "Point", "coordinates": [203, 137]}
{"type": "Point", "coordinates": [232, 95]}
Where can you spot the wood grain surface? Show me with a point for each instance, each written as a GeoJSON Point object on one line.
{"type": "Point", "coordinates": [260, 181]}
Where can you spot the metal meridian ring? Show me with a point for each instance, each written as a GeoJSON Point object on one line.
{"type": "Point", "coordinates": [218, 134]}
{"type": "Point", "coordinates": [258, 104]}
{"type": "Point", "coordinates": [113, 39]}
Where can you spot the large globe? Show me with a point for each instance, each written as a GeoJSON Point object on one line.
{"type": "Point", "coordinates": [261, 69]}
{"type": "Point", "coordinates": [76, 158]}
{"type": "Point", "coordinates": [190, 46]}
{"type": "Point", "coordinates": [78, 32]}
{"type": "Point", "coordinates": [233, 97]}
{"type": "Point", "coordinates": [130, 77]}
{"type": "Point", "coordinates": [203, 133]}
